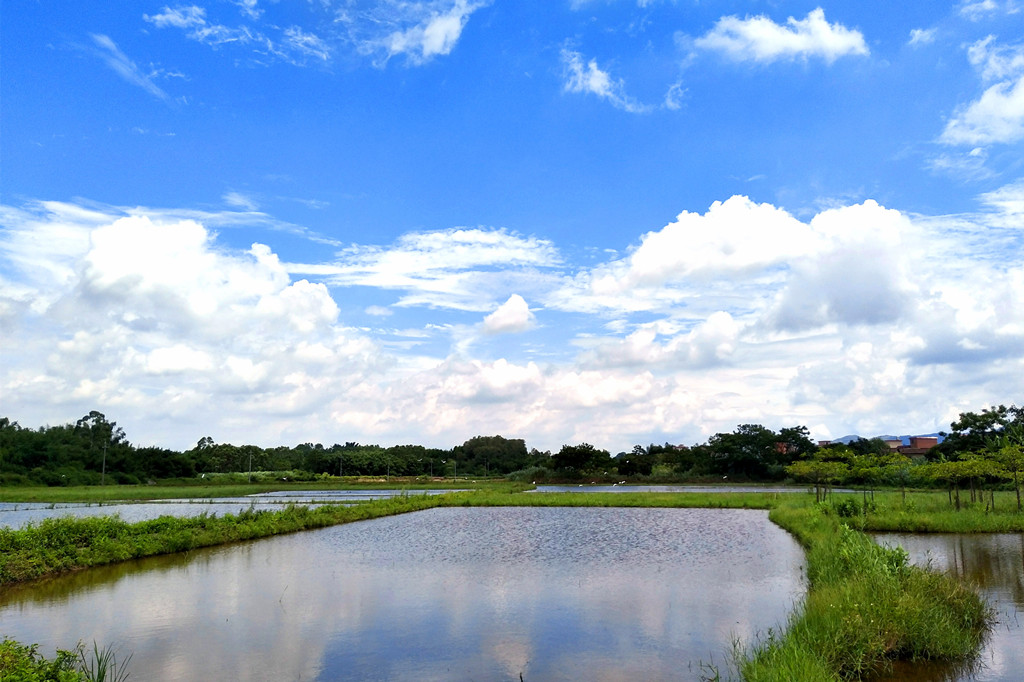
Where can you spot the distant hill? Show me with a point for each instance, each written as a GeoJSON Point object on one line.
{"type": "Point", "coordinates": [906, 439]}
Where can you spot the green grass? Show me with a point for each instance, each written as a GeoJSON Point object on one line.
{"type": "Point", "coordinates": [865, 606]}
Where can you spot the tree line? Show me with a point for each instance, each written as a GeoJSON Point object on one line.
{"type": "Point", "coordinates": [95, 450]}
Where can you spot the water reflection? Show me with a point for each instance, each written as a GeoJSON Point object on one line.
{"type": "Point", "coordinates": [440, 594]}
{"type": "Point", "coordinates": [617, 488]}
{"type": "Point", "coordinates": [995, 564]}
{"type": "Point", "coordinates": [18, 514]}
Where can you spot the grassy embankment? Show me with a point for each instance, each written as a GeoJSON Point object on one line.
{"type": "Point", "coordinates": [58, 545]}
{"type": "Point", "coordinates": [865, 605]}
{"type": "Point", "coordinates": [206, 489]}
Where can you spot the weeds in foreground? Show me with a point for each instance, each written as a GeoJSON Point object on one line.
{"type": "Point", "coordinates": [23, 663]}
{"type": "Point", "coordinates": [103, 665]}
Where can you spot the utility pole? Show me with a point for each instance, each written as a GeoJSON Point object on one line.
{"type": "Point", "coordinates": [103, 476]}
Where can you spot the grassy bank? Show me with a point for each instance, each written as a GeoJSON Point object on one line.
{"type": "Point", "coordinates": [204, 490]}
{"type": "Point", "coordinates": [865, 606]}
{"type": "Point", "coordinates": [932, 512]}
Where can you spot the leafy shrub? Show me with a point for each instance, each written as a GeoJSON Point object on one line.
{"type": "Point", "coordinates": [530, 474]}
{"type": "Point", "coordinates": [22, 663]}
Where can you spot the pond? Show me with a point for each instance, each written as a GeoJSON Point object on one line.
{"type": "Point", "coordinates": [995, 565]}
{"type": "Point", "coordinates": [17, 514]}
{"type": "Point", "coordinates": [450, 593]}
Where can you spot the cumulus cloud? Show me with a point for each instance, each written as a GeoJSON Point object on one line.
{"type": "Point", "coordinates": [858, 275]}
{"type": "Point", "coordinates": [742, 313]}
{"type": "Point", "coordinates": [151, 316]}
{"type": "Point", "coordinates": [997, 116]}
{"type": "Point", "coordinates": [435, 34]}
{"type": "Point", "coordinates": [512, 316]}
{"type": "Point", "coordinates": [589, 78]}
{"type": "Point", "coordinates": [761, 39]}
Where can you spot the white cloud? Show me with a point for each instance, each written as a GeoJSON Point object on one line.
{"type": "Point", "coordinates": [922, 36]}
{"type": "Point", "coordinates": [860, 319]}
{"type": "Point", "coordinates": [978, 9]}
{"type": "Point", "coordinates": [511, 317]}
{"type": "Point", "coordinates": [459, 268]}
{"type": "Point", "coordinates": [996, 117]}
{"type": "Point", "coordinates": [1008, 200]}
{"type": "Point", "coordinates": [318, 31]}
{"type": "Point", "coordinates": [589, 78]}
{"type": "Point", "coordinates": [179, 17]}
{"type": "Point", "coordinates": [125, 67]}
{"type": "Point", "coordinates": [249, 8]}
{"type": "Point", "coordinates": [306, 44]}
{"type": "Point", "coordinates": [435, 35]}
{"type": "Point", "coordinates": [996, 62]}
{"type": "Point", "coordinates": [859, 276]}
{"type": "Point", "coordinates": [761, 39]}
{"type": "Point", "coordinates": [239, 200]}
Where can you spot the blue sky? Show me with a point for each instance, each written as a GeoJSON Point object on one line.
{"type": "Point", "coordinates": [611, 221]}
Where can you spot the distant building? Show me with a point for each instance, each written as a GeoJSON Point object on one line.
{"type": "Point", "coordinates": [824, 443]}
{"type": "Point", "coordinates": [894, 443]}
{"type": "Point", "coordinates": [919, 446]}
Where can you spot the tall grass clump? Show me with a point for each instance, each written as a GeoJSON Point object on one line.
{"type": "Point", "coordinates": [865, 606]}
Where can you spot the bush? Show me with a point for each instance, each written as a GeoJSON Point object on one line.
{"type": "Point", "coordinates": [530, 474]}
{"type": "Point", "coordinates": [21, 663]}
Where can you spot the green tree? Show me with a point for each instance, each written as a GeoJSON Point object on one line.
{"type": "Point", "coordinates": [578, 459]}
{"type": "Point", "coordinates": [820, 473]}
{"type": "Point", "coordinates": [492, 455]}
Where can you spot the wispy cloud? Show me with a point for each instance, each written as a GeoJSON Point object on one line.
{"type": "Point", "coordinates": [922, 36]}
{"type": "Point", "coordinates": [239, 200]}
{"type": "Point", "coordinates": [418, 31]}
{"type": "Point", "coordinates": [125, 67]}
{"type": "Point", "coordinates": [760, 39]}
{"type": "Point", "coordinates": [461, 269]}
{"type": "Point", "coordinates": [976, 10]}
{"type": "Point", "coordinates": [586, 77]}
{"type": "Point", "coordinates": [188, 16]}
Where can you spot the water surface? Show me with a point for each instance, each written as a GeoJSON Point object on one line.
{"type": "Point", "coordinates": [629, 488]}
{"type": "Point", "coordinates": [461, 593]}
{"type": "Point", "coordinates": [993, 563]}
{"type": "Point", "coordinates": [18, 514]}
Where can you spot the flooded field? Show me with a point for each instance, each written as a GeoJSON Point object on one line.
{"type": "Point", "coordinates": [17, 514]}
{"type": "Point", "coordinates": [468, 593]}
